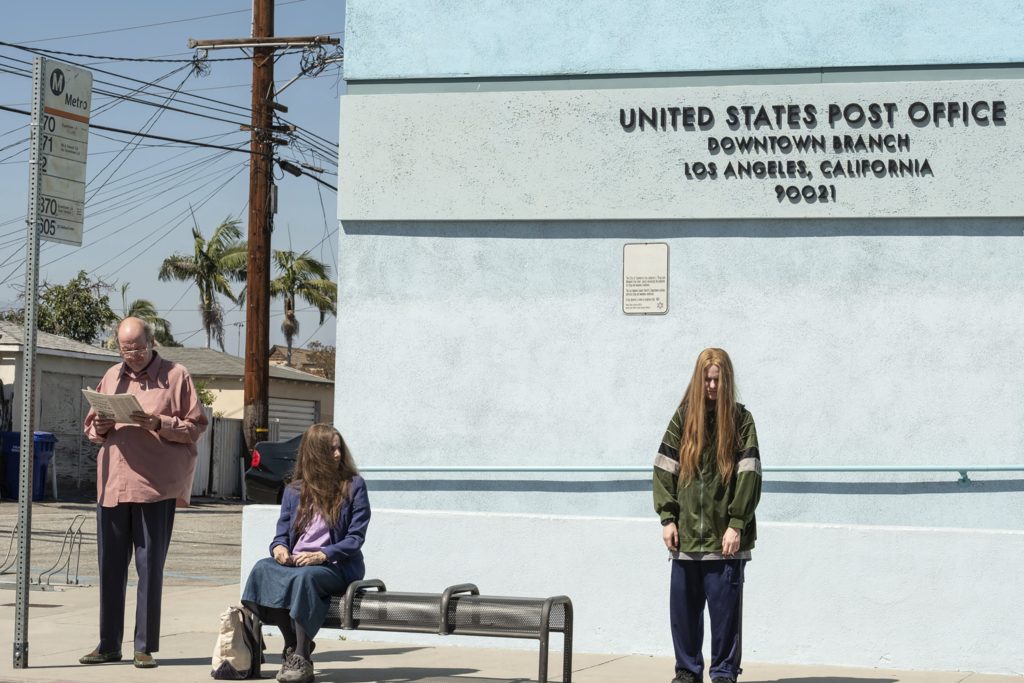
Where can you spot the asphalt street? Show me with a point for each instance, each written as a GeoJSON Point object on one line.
{"type": "Point", "coordinates": [205, 546]}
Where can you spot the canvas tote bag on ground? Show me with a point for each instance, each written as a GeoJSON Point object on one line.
{"type": "Point", "coordinates": [238, 651]}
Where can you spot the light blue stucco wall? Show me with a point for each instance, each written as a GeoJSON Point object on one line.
{"type": "Point", "coordinates": [855, 342]}
{"type": "Point", "coordinates": [394, 39]}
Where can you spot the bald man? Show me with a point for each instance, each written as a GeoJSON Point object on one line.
{"type": "Point", "coordinates": [143, 472]}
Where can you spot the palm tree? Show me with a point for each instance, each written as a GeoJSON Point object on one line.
{"type": "Point", "coordinates": [144, 309]}
{"type": "Point", "coordinates": [304, 277]}
{"type": "Point", "coordinates": [215, 262]}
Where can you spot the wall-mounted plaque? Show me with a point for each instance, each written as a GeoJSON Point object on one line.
{"type": "Point", "coordinates": [645, 278]}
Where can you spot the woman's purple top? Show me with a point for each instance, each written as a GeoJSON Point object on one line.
{"type": "Point", "coordinates": [345, 539]}
{"type": "Point", "coordinates": [315, 537]}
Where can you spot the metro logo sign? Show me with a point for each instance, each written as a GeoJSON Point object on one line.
{"type": "Point", "coordinates": [57, 81]}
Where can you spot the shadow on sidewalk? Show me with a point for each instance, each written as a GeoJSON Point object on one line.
{"type": "Point", "coordinates": [411, 675]}
{"type": "Point", "coordinates": [353, 655]}
{"type": "Point", "coordinates": [824, 679]}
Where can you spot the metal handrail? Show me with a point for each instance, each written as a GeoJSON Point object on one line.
{"type": "Point", "coordinates": [599, 469]}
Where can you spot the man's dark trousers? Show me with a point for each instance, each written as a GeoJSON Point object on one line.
{"type": "Point", "coordinates": [719, 584]}
{"type": "Point", "coordinates": [146, 529]}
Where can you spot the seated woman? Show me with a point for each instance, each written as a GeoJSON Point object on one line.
{"type": "Point", "coordinates": [316, 552]}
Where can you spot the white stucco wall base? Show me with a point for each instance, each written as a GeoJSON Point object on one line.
{"type": "Point", "coordinates": [874, 596]}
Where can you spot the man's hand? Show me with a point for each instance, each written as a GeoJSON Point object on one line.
{"type": "Point", "coordinates": [731, 542]}
{"type": "Point", "coordinates": [670, 535]}
{"type": "Point", "coordinates": [146, 421]}
{"type": "Point", "coordinates": [282, 556]}
{"type": "Point", "coordinates": [309, 559]}
{"type": "Point", "coordinates": [102, 425]}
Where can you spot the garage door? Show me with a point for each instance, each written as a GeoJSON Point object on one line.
{"type": "Point", "coordinates": [293, 415]}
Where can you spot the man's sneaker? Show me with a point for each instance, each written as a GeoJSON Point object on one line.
{"type": "Point", "coordinates": [686, 677]}
{"type": "Point", "coordinates": [295, 670]}
{"type": "Point", "coordinates": [723, 679]}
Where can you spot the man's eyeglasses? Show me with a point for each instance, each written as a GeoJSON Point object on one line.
{"type": "Point", "coordinates": [134, 352]}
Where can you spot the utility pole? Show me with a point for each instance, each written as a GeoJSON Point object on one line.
{"type": "Point", "coordinates": [255, 418]}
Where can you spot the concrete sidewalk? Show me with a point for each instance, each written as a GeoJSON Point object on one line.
{"type": "Point", "coordinates": [62, 627]}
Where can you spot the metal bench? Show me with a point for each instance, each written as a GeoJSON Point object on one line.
{"type": "Point", "coordinates": [459, 610]}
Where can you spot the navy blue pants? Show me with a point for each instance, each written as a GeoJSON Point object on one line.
{"type": "Point", "coordinates": [719, 585]}
{"type": "Point", "coordinates": [144, 528]}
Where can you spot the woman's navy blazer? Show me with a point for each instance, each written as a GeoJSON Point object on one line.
{"type": "Point", "coordinates": [347, 536]}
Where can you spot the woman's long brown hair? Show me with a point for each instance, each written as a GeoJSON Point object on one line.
{"type": "Point", "coordinates": [695, 437]}
{"type": "Point", "coordinates": [323, 482]}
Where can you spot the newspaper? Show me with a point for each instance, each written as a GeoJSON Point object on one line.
{"type": "Point", "coordinates": [116, 406]}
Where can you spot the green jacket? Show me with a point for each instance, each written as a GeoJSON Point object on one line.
{"type": "Point", "coordinates": [705, 507]}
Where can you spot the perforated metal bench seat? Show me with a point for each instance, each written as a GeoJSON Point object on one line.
{"type": "Point", "coordinates": [459, 610]}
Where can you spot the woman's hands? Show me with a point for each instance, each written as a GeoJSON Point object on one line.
{"type": "Point", "coordinates": [282, 556]}
{"type": "Point", "coordinates": [310, 558]}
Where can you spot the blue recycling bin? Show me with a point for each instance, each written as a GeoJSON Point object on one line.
{"type": "Point", "coordinates": [42, 446]}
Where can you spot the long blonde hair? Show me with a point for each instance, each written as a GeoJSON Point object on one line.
{"type": "Point", "coordinates": [323, 482]}
{"type": "Point", "coordinates": [695, 438]}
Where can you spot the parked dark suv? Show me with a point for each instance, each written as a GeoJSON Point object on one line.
{"type": "Point", "coordinates": [270, 467]}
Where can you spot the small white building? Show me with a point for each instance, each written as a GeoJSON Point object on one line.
{"type": "Point", "coordinates": [64, 367]}
{"type": "Point", "coordinates": [296, 399]}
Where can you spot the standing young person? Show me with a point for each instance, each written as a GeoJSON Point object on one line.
{"type": "Point", "coordinates": [707, 483]}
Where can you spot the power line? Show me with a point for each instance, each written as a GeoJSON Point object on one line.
{"type": "Point", "coordinates": [138, 100]}
{"type": "Point", "coordinates": [129, 96]}
{"type": "Point", "coordinates": [327, 231]}
{"type": "Point", "coordinates": [147, 239]}
{"type": "Point", "coordinates": [129, 146]}
{"type": "Point", "coordinates": [27, 73]}
{"type": "Point", "coordinates": [242, 109]}
{"type": "Point", "coordinates": [319, 327]}
{"type": "Point", "coordinates": [328, 147]}
{"type": "Point", "coordinates": [140, 199]}
{"type": "Point", "coordinates": [155, 145]}
{"type": "Point", "coordinates": [164, 175]}
{"type": "Point", "coordinates": [184, 213]}
{"type": "Point", "coordinates": [330, 143]}
{"type": "Point", "coordinates": [140, 134]}
{"type": "Point", "coordinates": [174, 222]}
{"type": "Point", "coordinates": [195, 60]}
{"type": "Point", "coordinates": [160, 23]}
{"type": "Point", "coordinates": [117, 99]}
{"type": "Point", "coordinates": [12, 130]}
{"type": "Point", "coordinates": [168, 139]}
{"type": "Point", "coordinates": [133, 196]}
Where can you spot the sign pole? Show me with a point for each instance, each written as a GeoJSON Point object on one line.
{"type": "Point", "coordinates": [56, 206]}
{"type": "Point", "coordinates": [28, 353]}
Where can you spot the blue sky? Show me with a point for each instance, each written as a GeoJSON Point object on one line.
{"type": "Point", "coordinates": [138, 196]}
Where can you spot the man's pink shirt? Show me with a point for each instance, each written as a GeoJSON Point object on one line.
{"type": "Point", "coordinates": [136, 465]}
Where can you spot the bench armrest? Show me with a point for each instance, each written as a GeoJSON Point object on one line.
{"type": "Point", "coordinates": [444, 628]}
{"type": "Point", "coordinates": [347, 620]}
